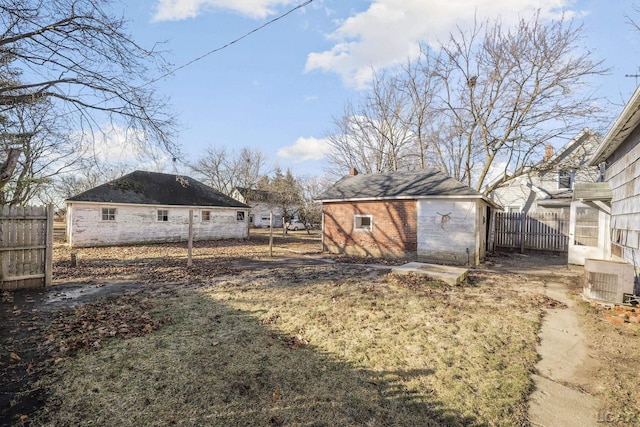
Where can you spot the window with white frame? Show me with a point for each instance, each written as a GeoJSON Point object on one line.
{"type": "Point", "coordinates": [363, 222]}
{"type": "Point", "coordinates": [206, 216]}
{"type": "Point", "coordinates": [565, 179]}
{"type": "Point", "coordinates": [108, 214]}
{"type": "Point", "coordinates": [163, 215]}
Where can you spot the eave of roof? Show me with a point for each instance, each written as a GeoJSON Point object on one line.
{"type": "Point", "coordinates": [422, 184]}
{"type": "Point", "coordinates": [625, 123]}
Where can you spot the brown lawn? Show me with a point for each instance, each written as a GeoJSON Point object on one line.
{"type": "Point", "coordinates": [241, 338]}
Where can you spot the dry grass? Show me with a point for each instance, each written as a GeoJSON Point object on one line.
{"type": "Point", "coordinates": [616, 349]}
{"type": "Point", "coordinates": [279, 344]}
{"type": "Point", "coordinates": [241, 339]}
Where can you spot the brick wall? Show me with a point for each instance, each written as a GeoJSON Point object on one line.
{"type": "Point", "coordinates": [394, 228]}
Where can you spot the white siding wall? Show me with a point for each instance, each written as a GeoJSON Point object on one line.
{"type": "Point", "coordinates": [135, 224]}
{"type": "Point", "coordinates": [624, 179]}
{"type": "Point", "coordinates": [261, 212]}
{"type": "Point", "coordinates": [515, 195]}
{"type": "Point", "coordinates": [446, 229]}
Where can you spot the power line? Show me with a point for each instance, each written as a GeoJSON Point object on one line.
{"type": "Point", "coordinates": [186, 64]}
{"type": "Point", "coordinates": [218, 49]}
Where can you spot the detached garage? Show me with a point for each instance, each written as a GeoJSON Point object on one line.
{"type": "Point", "coordinates": [153, 207]}
{"type": "Point", "coordinates": [424, 215]}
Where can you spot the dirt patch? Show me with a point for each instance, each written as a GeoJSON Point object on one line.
{"type": "Point", "coordinates": [22, 324]}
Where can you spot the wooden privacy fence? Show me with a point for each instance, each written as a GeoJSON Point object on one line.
{"type": "Point", "coordinates": [533, 231]}
{"type": "Point", "coordinates": [26, 247]}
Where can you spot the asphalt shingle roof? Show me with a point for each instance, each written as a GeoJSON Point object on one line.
{"type": "Point", "coordinates": [251, 195]}
{"type": "Point", "coordinates": [416, 184]}
{"type": "Point", "coordinates": [152, 188]}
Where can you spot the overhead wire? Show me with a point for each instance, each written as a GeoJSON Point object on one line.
{"type": "Point", "coordinates": [199, 58]}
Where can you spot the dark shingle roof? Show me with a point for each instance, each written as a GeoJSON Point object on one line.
{"type": "Point", "coordinates": [152, 188]}
{"type": "Point", "coordinates": [250, 195]}
{"type": "Point", "coordinates": [421, 183]}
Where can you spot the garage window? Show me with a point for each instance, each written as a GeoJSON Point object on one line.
{"type": "Point", "coordinates": [206, 216]}
{"type": "Point", "coordinates": [108, 214]}
{"type": "Point", "coordinates": [240, 215]}
{"type": "Point", "coordinates": [163, 215]}
{"type": "Point", "coordinates": [363, 222]}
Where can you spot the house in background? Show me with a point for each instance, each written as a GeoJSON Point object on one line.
{"type": "Point", "coordinates": [152, 207]}
{"type": "Point", "coordinates": [548, 186]}
{"type": "Point", "coordinates": [262, 204]}
{"type": "Point", "coordinates": [424, 215]}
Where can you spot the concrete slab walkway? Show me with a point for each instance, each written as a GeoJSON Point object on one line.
{"type": "Point", "coordinates": [559, 398]}
{"type": "Point", "coordinates": [448, 274]}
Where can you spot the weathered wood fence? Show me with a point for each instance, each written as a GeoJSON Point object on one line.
{"type": "Point", "coordinates": [532, 231]}
{"type": "Point", "coordinates": [26, 247]}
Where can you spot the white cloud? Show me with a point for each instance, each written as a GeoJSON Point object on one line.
{"type": "Point", "coordinates": [305, 149]}
{"type": "Point", "coordinates": [175, 10]}
{"type": "Point", "coordinates": [389, 31]}
{"type": "Point", "coordinates": [117, 145]}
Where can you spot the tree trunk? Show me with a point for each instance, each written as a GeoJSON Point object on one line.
{"type": "Point", "coordinates": [9, 166]}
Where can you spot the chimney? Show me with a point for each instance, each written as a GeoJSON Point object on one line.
{"type": "Point", "coordinates": [548, 152]}
{"type": "Point", "coordinates": [353, 172]}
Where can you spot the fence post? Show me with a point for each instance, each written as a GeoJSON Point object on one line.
{"type": "Point", "coordinates": [48, 266]}
{"type": "Point", "coordinates": [522, 234]}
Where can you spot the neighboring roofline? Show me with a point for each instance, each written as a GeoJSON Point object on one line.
{"type": "Point", "coordinates": [380, 199]}
{"type": "Point", "coordinates": [70, 202]}
{"type": "Point", "coordinates": [628, 118]}
{"type": "Point", "coordinates": [585, 132]}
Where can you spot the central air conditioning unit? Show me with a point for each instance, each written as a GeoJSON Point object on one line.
{"type": "Point", "coordinates": [607, 281]}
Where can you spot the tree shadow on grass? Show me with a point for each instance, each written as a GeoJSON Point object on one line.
{"type": "Point", "coordinates": [212, 364]}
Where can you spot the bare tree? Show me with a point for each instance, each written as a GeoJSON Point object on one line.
{"type": "Point", "coordinates": [88, 174]}
{"type": "Point", "coordinates": [79, 56]}
{"type": "Point", "coordinates": [310, 209]}
{"type": "Point", "coordinates": [225, 169]}
{"type": "Point", "coordinates": [509, 92]}
{"type": "Point", "coordinates": [373, 137]}
{"type": "Point", "coordinates": [486, 102]}
{"type": "Point", "coordinates": [47, 150]}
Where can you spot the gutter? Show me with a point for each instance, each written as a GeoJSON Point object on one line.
{"type": "Point", "coordinates": [627, 119]}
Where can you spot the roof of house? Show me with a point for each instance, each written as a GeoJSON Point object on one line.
{"type": "Point", "coordinates": [251, 195]}
{"type": "Point", "coordinates": [398, 185]}
{"type": "Point", "coordinates": [581, 139]}
{"type": "Point", "coordinates": [152, 188]}
{"type": "Point", "coordinates": [626, 122]}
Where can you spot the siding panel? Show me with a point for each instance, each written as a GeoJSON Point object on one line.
{"type": "Point", "coordinates": [138, 224]}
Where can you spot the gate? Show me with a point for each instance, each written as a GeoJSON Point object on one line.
{"type": "Point", "coordinates": [26, 247]}
{"type": "Point", "coordinates": [533, 231]}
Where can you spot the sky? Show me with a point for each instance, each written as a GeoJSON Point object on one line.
{"type": "Point", "coordinates": [280, 87]}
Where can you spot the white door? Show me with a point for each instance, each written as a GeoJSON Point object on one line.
{"type": "Point", "coordinates": [588, 233]}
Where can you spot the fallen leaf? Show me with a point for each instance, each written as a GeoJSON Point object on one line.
{"type": "Point", "coordinates": [15, 357]}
